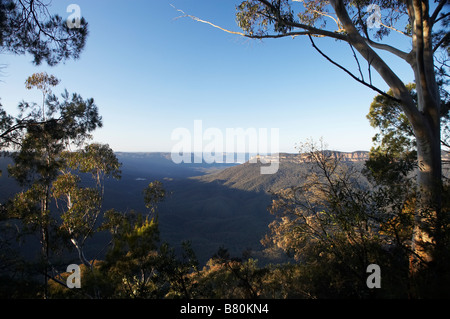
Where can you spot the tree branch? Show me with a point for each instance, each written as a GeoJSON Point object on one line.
{"type": "Point", "coordinates": [351, 74]}
{"type": "Point", "coordinates": [394, 29]}
{"type": "Point", "coordinates": [315, 31]}
{"type": "Point", "coordinates": [357, 62]}
{"type": "Point", "coordinates": [361, 44]}
{"type": "Point", "coordinates": [399, 89]}
{"type": "Point", "coordinates": [310, 30]}
{"type": "Point", "coordinates": [62, 283]}
{"type": "Point", "coordinates": [401, 54]}
{"type": "Point", "coordinates": [444, 38]}
{"type": "Point", "coordinates": [436, 12]}
{"type": "Point", "coordinates": [443, 16]}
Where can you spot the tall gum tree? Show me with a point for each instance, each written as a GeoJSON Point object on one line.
{"type": "Point", "coordinates": [38, 159]}
{"type": "Point", "coordinates": [28, 28]}
{"type": "Point", "coordinates": [425, 26]}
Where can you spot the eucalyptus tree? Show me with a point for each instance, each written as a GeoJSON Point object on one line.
{"type": "Point", "coordinates": [28, 27]}
{"type": "Point", "coordinates": [80, 207]}
{"type": "Point", "coordinates": [51, 129]}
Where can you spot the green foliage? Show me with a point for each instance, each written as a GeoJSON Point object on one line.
{"type": "Point", "coordinates": [396, 134]}
{"type": "Point", "coordinates": [130, 262]}
{"type": "Point", "coordinates": [27, 28]}
{"type": "Point", "coordinates": [97, 159]}
{"type": "Point", "coordinates": [42, 81]}
{"type": "Point", "coordinates": [393, 165]}
{"type": "Point", "coordinates": [254, 18]}
{"type": "Point", "coordinates": [394, 156]}
{"type": "Point", "coordinates": [134, 235]}
{"type": "Point", "coordinates": [7, 130]}
{"type": "Point", "coordinates": [39, 159]}
{"type": "Point", "coordinates": [137, 265]}
{"type": "Point", "coordinates": [153, 194]}
{"type": "Point", "coordinates": [179, 271]}
{"type": "Point", "coordinates": [42, 167]}
{"type": "Point", "coordinates": [228, 277]}
{"type": "Point", "coordinates": [336, 223]}
{"type": "Point", "coordinates": [79, 207]}
{"type": "Point", "coordinates": [259, 17]}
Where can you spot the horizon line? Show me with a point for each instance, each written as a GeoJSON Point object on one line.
{"type": "Point", "coordinates": [292, 153]}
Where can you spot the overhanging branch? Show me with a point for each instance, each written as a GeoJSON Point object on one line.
{"type": "Point", "coordinates": [307, 30]}
{"type": "Point", "coordinates": [400, 92]}
{"type": "Point", "coordinates": [444, 39]}
{"type": "Point", "coordinates": [437, 10]}
{"type": "Point", "coordinates": [311, 29]}
{"type": "Point", "coordinates": [351, 74]}
{"type": "Point", "coordinates": [310, 32]}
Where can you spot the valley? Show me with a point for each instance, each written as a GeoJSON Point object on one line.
{"type": "Point", "coordinates": [211, 205]}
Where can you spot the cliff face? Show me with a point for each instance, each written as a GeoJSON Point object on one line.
{"type": "Point", "coordinates": [358, 156]}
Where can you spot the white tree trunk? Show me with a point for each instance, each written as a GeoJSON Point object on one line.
{"type": "Point", "coordinates": [424, 117]}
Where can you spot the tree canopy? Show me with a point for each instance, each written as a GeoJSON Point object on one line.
{"type": "Point", "coordinates": [27, 27]}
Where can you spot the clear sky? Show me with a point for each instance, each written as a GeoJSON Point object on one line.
{"type": "Point", "coordinates": [150, 74]}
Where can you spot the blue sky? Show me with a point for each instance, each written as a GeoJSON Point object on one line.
{"type": "Point", "coordinates": [150, 73]}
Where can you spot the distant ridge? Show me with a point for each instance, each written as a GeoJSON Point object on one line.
{"type": "Point", "coordinates": [196, 158]}
{"type": "Point", "coordinates": [356, 156]}
{"type": "Point", "coordinates": [293, 169]}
